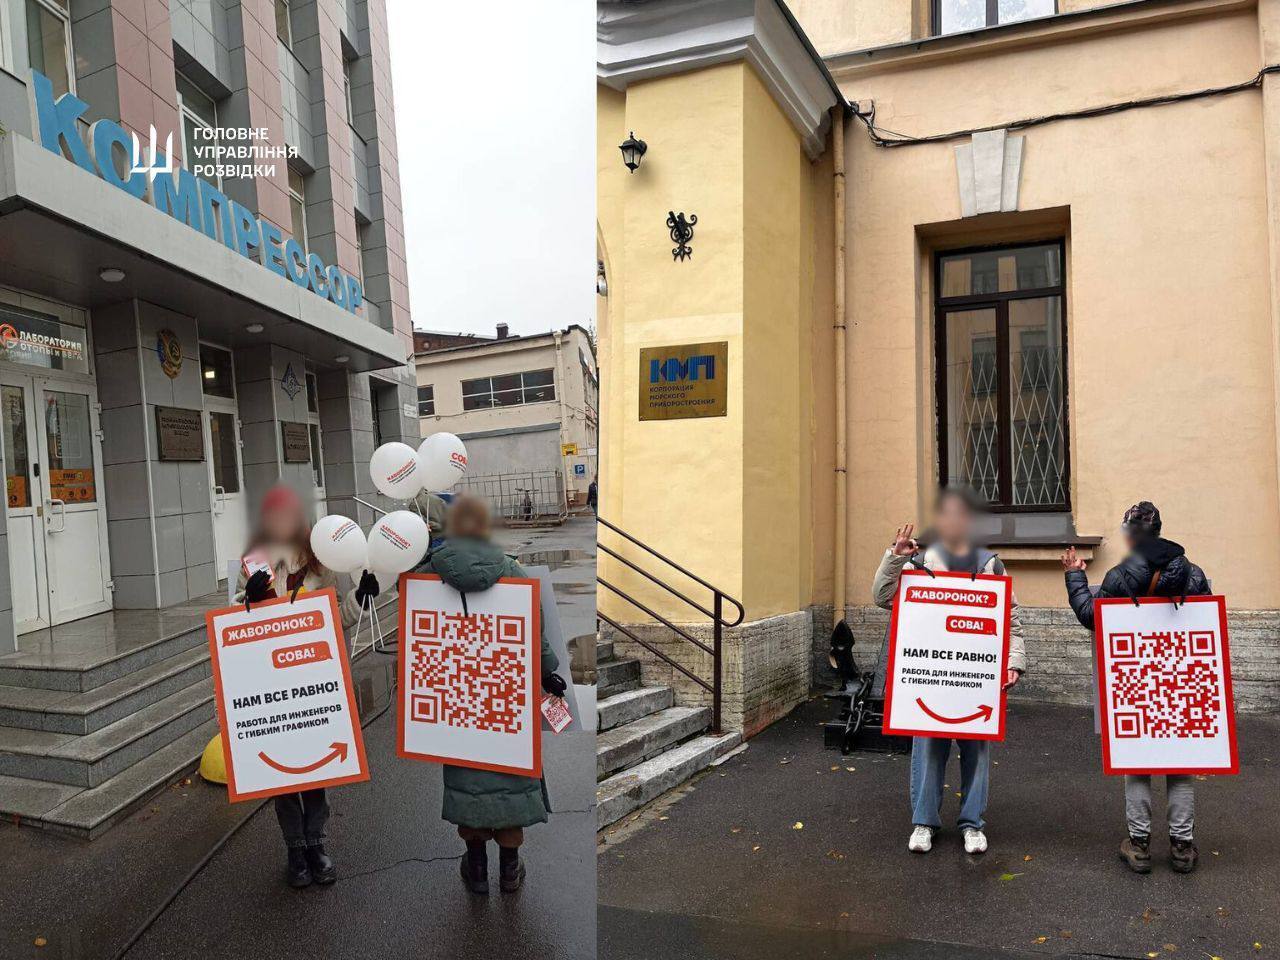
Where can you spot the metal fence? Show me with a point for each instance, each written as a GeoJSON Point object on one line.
{"type": "Point", "coordinates": [534, 497]}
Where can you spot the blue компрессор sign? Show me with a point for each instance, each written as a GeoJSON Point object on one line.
{"type": "Point", "coordinates": [183, 196]}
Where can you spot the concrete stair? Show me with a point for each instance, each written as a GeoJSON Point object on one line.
{"type": "Point", "coordinates": [92, 726]}
{"type": "Point", "coordinates": [646, 743]}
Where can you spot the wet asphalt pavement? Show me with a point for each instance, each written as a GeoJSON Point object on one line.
{"type": "Point", "coordinates": [722, 869]}
{"type": "Point", "coordinates": [398, 893]}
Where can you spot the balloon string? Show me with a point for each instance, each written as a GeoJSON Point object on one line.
{"type": "Point", "coordinates": [366, 503]}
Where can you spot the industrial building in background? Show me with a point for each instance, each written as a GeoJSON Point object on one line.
{"type": "Point", "coordinates": [527, 407]}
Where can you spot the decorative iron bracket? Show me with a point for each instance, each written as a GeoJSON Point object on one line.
{"type": "Point", "coordinates": [681, 233]}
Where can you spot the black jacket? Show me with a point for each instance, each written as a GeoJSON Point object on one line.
{"type": "Point", "coordinates": [1131, 577]}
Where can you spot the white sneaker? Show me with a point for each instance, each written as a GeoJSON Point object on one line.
{"type": "Point", "coordinates": [921, 840]}
{"type": "Point", "coordinates": [975, 841]}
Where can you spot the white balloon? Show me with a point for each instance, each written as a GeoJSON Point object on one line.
{"type": "Point", "coordinates": [443, 459]}
{"type": "Point", "coordinates": [398, 542]}
{"type": "Point", "coordinates": [339, 544]}
{"type": "Point", "coordinates": [396, 471]}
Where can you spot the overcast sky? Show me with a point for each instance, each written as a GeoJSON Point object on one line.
{"type": "Point", "coordinates": [496, 123]}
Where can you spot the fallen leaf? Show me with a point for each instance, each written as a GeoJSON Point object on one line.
{"type": "Point", "coordinates": [1027, 858]}
{"type": "Point", "coordinates": [1153, 953]}
{"type": "Point", "coordinates": [40, 941]}
{"type": "Point", "coordinates": [1257, 946]}
{"type": "Point", "coordinates": [788, 760]}
{"type": "Point", "coordinates": [850, 769]}
{"type": "Point", "coordinates": [755, 848]}
{"type": "Point", "coordinates": [1215, 853]}
{"type": "Point", "coordinates": [1006, 877]}
{"type": "Point", "coordinates": [1065, 934]}
{"type": "Point", "coordinates": [958, 794]}
{"type": "Point", "coordinates": [845, 915]}
{"type": "Point", "coordinates": [664, 818]}
{"type": "Point", "coordinates": [797, 825]}
{"type": "Point", "coordinates": [735, 829]}
{"type": "Point", "coordinates": [836, 767]}
{"type": "Point", "coordinates": [1040, 940]}
{"type": "Point", "coordinates": [1149, 915]}
{"type": "Point", "coordinates": [835, 854]}
{"type": "Point", "coordinates": [1223, 912]}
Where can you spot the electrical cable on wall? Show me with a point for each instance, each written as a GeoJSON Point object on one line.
{"type": "Point", "coordinates": [896, 139]}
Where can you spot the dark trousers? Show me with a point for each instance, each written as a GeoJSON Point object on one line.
{"type": "Point", "coordinates": [509, 837]}
{"type": "Point", "coordinates": [302, 817]}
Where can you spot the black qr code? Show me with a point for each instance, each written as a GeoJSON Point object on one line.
{"type": "Point", "coordinates": [468, 670]}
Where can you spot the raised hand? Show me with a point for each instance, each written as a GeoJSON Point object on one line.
{"type": "Point", "coordinates": [903, 544]}
{"type": "Point", "coordinates": [1071, 562]}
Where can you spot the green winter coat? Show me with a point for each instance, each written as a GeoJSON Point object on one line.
{"type": "Point", "coordinates": [483, 798]}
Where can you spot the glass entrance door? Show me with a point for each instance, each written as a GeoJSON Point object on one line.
{"type": "Point", "coordinates": [56, 519]}
{"type": "Point", "coordinates": [226, 483]}
{"type": "Point", "coordinates": [25, 510]}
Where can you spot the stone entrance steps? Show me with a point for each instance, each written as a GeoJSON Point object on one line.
{"type": "Point", "coordinates": [85, 738]}
{"type": "Point", "coordinates": [646, 744]}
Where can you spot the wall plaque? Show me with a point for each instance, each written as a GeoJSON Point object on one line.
{"type": "Point", "coordinates": [295, 439]}
{"type": "Point", "coordinates": [179, 434]}
{"type": "Point", "coordinates": [684, 381]}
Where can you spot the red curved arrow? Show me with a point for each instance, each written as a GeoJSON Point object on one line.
{"type": "Point", "coordinates": [984, 712]}
{"type": "Point", "coordinates": [339, 753]}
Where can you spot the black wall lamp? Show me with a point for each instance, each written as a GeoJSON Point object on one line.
{"type": "Point", "coordinates": [681, 233]}
{"type": "Point", "coordinates": [633, 151]}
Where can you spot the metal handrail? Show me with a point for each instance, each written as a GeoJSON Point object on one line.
{"type": "Point", "coordinates": [718, 622]}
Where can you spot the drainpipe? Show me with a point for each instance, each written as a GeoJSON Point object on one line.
{"type": "Point", "coordinates": [560, 381]}
{"type": "Point", "coordinates": [838, 328]}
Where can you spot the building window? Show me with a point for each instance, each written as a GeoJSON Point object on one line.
{"type": "Point", "coordinates": [298, 206]}
{"type": "Point", "coordinates": [957, 16]}
{"type": "Point", "coordinates": [1001, 375]}
{"type": "Point", "coordinates": [346, 92]}
{"type": "Point", "coordinates": [49, 43]}
{"type": "Point", "coordinates": [217, 372]}
{"type": "Point", "coordinates": [199, 113]}
{"type": "Point", "coordinates": [284, 23]}
{"type": "Point", "coordinates": [427, 401]}
{"type": "Point", "coordinates": [509, 390]}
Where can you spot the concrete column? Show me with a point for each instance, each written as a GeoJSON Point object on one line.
{"type": "Point", "coordinates": [159, 521]}
{"type": "Point", "coordinates": [270, 388]}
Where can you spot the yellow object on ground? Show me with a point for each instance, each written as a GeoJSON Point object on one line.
{"type": "Point", "coordinates": [213, 765]}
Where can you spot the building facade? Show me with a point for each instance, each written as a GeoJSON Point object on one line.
{"type": "Point", "coordinates": [202, 290]}
{"type": "Point", "coordinates": [1037, 254]}
{"type": "Point", "coordinates": [521, 404]}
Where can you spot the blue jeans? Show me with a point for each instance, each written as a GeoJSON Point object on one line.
{"type": "Point", "coordinates": [928, 772]}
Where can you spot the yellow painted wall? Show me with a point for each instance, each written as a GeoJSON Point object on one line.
{"type": "Point", "coordinates": [1171, 379]}
{"type": "Point", "coordinates": [728, 497]}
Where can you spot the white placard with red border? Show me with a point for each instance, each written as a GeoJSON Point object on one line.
{"type": "Point", "coordinates": [1164, 685]}
{"type": "Point", "coordinates": [470, 675]}
{"type": "Point", "coordinates": [284, 697]}
{"type": "Point", "coordinates": [948, 654]}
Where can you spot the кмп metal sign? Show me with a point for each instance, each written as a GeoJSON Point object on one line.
{"type": "Point", "coordinates": [195, 202]}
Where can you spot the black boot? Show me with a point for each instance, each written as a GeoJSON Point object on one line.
{"type": "Point", "coordinates": [1136, 852]}
{"type": "Point", "coordinates": [1182, 855]}
{"type": "Point", "coordinates": [510, 869]}
{"type": "Point", "coordinates": [475, 868]}
{"type": "Point", "coordinates": [322, 870]}
{"type": "Point", "coordinates": [298, 873]}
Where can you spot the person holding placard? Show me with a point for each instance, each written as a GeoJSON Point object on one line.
{"type": "Point", "coordinates": [954, 550]}
{"type": "Point", "coordinates": [485, 804]}
{"type": "Point", "coordinates": [1154, 567]}
{"type": "Point", "coordinates": [279, 562]}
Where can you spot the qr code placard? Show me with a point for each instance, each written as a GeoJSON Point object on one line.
{"type": "Point", "coordinates": [1165, 686]}
{"type": "Point", "coordinates": [467, 671]}
{"type": "Point", "coordinates": [469, 676]}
